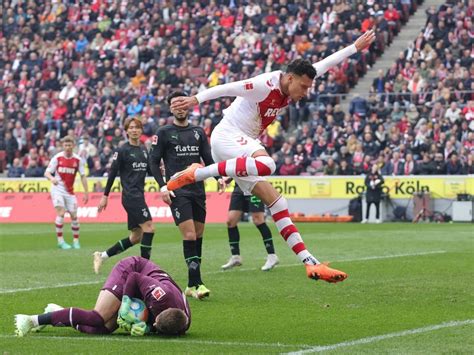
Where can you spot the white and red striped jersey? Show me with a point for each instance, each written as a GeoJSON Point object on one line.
{"type": "Point", "coordinates": [259, 100]}
{"type": "Point", "coordinates": [64, 170]}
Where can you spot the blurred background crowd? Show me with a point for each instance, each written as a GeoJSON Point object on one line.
{"type": "Point", "coordinates": [82, 67]}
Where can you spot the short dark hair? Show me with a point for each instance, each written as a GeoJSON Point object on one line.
{"type": "Point", "coordinates": [301, 67]}
{"type": "Point", "coordinates": [175, 94]}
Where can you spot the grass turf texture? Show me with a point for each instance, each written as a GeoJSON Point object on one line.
{"type": "Point", "coordinates": [401, 277]}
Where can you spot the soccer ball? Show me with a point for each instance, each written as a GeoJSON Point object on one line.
{"type": "Point", "coordinates": [138, 310]}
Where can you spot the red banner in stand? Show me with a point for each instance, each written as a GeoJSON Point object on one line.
{"type": "Point", "coordinates": [37, 207]}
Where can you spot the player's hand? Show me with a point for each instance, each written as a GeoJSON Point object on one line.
{"type": "Point", "coordinates": [166, 195]}
{"type": "Point", "coordinates": [139, 329]}
{"type": "Point", "coordinates": [103, 203]}
{"type": "Point", "coordinates": [85, 198]}
{"type": "Point", "coordinates": [124, 325]}
{"type": "Point", "coordinates": [184, 103]}
{"type": "Point", "coordinates": [221, 185]}
{"type": "Point", "coordinates": [54, 181]}
{"type": "Point", "coordinates": [365, 40]}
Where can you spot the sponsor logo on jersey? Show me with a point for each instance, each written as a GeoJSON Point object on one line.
{"type": "Point", "coordinates": [154, 140]}
{"type": "Point", "coordinates": [158, 293]}
{"type": "Point", "coordinates": [65, 170]}
{"type": "Point", "coordinates": [248, 86]}
{"type": "Point", "coordinates": [186, 148]}
{"type": "Point", "coordinates": [140, 165]}
{"type": "Point", "coordinates": [272, 112]}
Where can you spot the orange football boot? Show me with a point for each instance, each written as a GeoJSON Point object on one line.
{"type": "Point", "coordinates": [324, 272]}
{"type": "Point", "coordinates": [183, 178]}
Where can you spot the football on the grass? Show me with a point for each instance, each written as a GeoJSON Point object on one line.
{"type": "Point", "coordinates": [138, 310]}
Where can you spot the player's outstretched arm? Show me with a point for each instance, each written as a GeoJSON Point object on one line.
{"type": "Point", "coordinates": [334, 59]}
{"type": "Point", "coordinates": [254, 89]}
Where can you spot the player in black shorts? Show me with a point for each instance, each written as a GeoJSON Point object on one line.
{"type": "Point", "coordinates": [180, 145]}
{"type": "Point", "coordinates": [130, 162]}
{"type": "Point", "coordinates": [239, 203]}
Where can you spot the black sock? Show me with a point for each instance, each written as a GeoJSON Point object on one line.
{"type": "Point", "coordinates": [119, 247]}
{"type": "Point", "coordinates": [199, 249]}
{"type": "Point", "coordinates": [44, 319]}
{"type": "Point", "coordinates": [234, 240]}
{"type": "Point", "coordinates": [145, 247]}
{"type": "Point", "coordinates": [192, 260]}
{"type": "Point", "coordinates": [267, 237]}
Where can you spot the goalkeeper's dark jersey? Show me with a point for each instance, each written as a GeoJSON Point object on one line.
{"type": "Point", "coordinates": [179, 147]}
{"type": "Point", "coordinates": [131, 164]}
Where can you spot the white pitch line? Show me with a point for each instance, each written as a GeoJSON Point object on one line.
{"type": "Point", "coordinates": [374, 339]}
{"type": "Point", "coordinates": [72, 284]}
{"type": "Point", "coordinates": [158, 340]}
{"type": "Point", "coordinates": [379, 257]}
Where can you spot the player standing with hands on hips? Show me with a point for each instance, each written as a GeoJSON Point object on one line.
{"type": "Point", "coordinates": [240, 155]}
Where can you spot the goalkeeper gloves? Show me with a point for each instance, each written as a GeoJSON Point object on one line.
{"type": "Point", "coordinates": [139, 329]}
{"type": "Point", "coordinates": [125, 319]}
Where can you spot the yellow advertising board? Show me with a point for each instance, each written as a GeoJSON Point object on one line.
{"type": "Point", "coordinates": [323, 187]}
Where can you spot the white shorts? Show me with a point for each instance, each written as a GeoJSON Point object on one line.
{"type": "Point", "coordinates": [64, 200]}
{"type": "Point", "coordinates": [228, 142]}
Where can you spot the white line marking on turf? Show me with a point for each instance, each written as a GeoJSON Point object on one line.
{"type": "Point", "coordinates": [72, 284]}
{"type": "Point", "coordinates": [374, 339]}
{"type": "Point", "coordinates": [379, 257]}
{"type": "Point", "coordinates": [155, 340]}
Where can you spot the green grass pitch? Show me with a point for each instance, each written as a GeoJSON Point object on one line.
{"type": "Point", "coordinates": [410, 290]}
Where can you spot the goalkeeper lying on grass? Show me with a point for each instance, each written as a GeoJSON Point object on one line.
{"type": "Point", "coordinates": [132, 277]}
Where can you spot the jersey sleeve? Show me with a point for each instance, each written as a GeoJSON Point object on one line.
{"type": "Point", "coordinates": [205, 149]}
{"type": "Point", "coordinates": [334, 59]}
{"type": "Point", "coordinates": [53, 165]}
{"type": "Point", "coordinates": [82, 169]}
{"type": "Point", "coordinates": [114, 170]}
{"type": "Point", "coordinates": [158, 149]}
{"type": "Point", "coordinates": [254, 89]}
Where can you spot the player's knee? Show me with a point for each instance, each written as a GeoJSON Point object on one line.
{"type": "Point", "coordinates": [258, 219]}
{"type": "Point", "coordinates": [190, 236]}
{"type": "Point", "coordinates": [148, 227]}
{"type": "Point", "coordinates": [136, 236]}
{"type": "Point", "coordinates": [231, 224]}
{"type": "Point", "coordinates": [268, 162]}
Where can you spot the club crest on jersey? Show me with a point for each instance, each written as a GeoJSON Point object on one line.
{"type": "Point", "coordinates": [248, 86]}
{"type": "Point", "coordinates": [154, 140]}
{"type": "Point", "coordinates": [196, 135]}
{"type": "Point", "coordinates": [115, 156]}
{"type": "Point", "coordinates": [145, 212]}
{"type": "Point", "coordinates": [158, 293]}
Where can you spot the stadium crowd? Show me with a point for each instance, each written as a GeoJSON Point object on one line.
{"type": "Point", "coordinates": [81, 68]}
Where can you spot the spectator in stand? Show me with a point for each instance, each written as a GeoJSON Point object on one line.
{"type": "Point", "coordinates": [289, 167]}
{"type": "Point", "coordinates": [16, 170]}
{"type": "Point", "coordinates": [454, 166]}
{"type": "Point", "coordinates": [33, 170]}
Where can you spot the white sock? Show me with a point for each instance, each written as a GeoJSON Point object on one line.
{"type": "Point", "coordinates": [104, 255]}
{"type": "Point", "coordinates": [34, 320]}
{"type": "Point", "coordinates": [203, 173]}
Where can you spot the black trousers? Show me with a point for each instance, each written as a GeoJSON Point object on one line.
{"type": "Point", "coordinates": [377, 209]}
